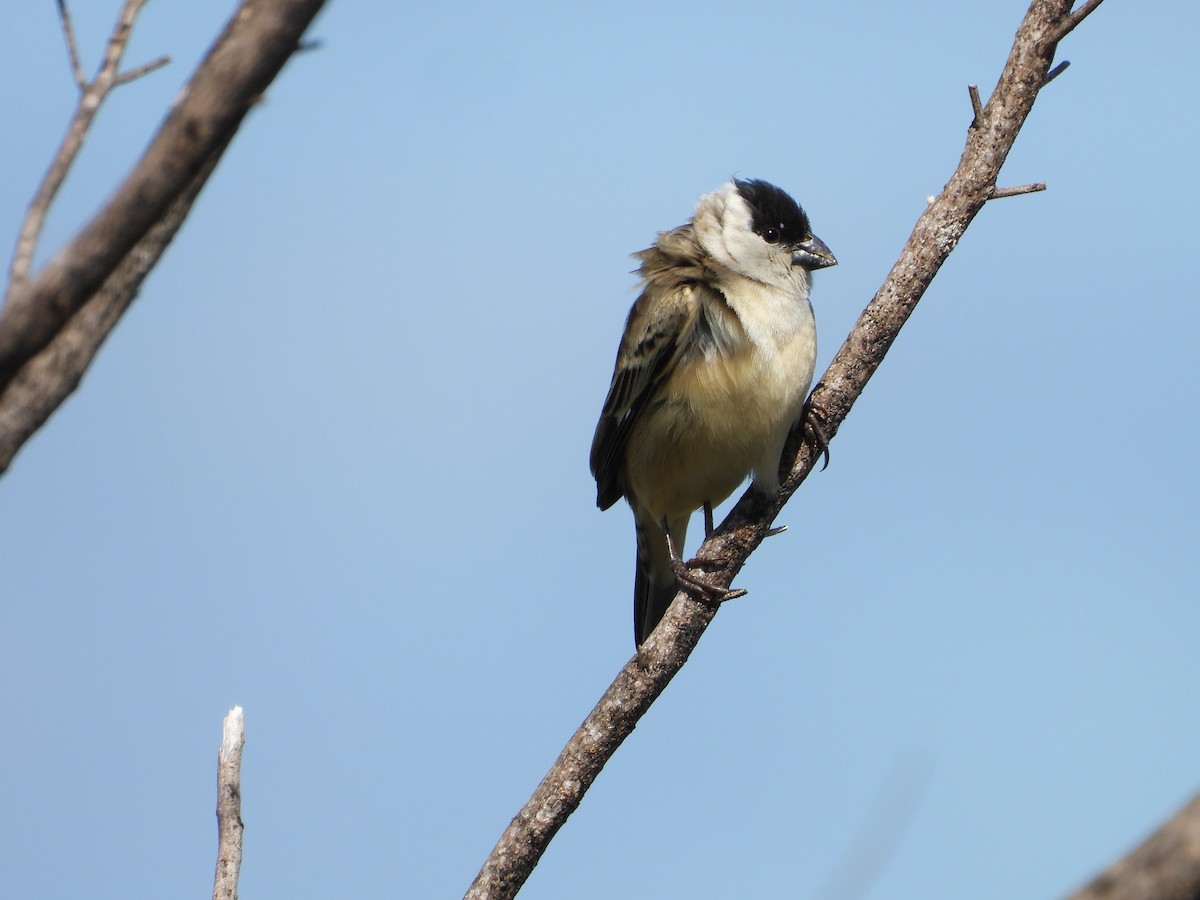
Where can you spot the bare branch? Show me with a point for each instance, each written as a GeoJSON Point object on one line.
{"type": "Point", "coordinates": [144, 69]}
{"type": "Point", "coordinates": [56, 371]}
{"type": "Point", "coordinates": [644, 677]}
{"type": "Point", "coordinates": [256, 43]}
{"type": "Point", "coordinates": [229, 806]}
{"type": "Point", "coordinates": [91, 96]}
{"type": "Point", "coordinates": [1165, 867]}
{"type": "Point", "coordinates": [976, 105]}
{"type": "Point", "coordinates": [1077, 16]}
{"type": "Point", "coordinates": [117, 42]}
{"type": "Point", "coordinates": [72, 47]}
{"type": "Point", "coordinates": [1055, 72]}
{"type": "Point", "coordinates": [999, 193]}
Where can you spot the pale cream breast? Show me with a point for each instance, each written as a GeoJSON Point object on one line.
{"type": "Point", "coordinates": [722, 416]}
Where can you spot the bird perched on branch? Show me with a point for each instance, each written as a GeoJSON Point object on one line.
{"type": "Point", "coordinates": [712, 373]}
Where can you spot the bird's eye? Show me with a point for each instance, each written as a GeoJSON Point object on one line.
{"type": "Point", "coordinates": [771, 235]}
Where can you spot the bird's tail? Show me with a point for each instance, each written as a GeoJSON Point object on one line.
{"type": "Point", "coordinates": [654, 583]}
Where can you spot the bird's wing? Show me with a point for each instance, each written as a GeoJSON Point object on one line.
{"type": "Point", "coordinates": [656, 335]}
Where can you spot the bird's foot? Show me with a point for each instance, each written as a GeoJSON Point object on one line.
{"type": "Point", "coordinates": [694, 584]}
{"type": "Point", "coordinates": [814, 423]}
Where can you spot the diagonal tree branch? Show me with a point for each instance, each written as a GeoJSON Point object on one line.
{"type": "Point", "coordinates": [258, 40]}
{"type": "Point", "coordinates": [51, 325]}
{"type": "Point", "coordinates": [43, 383]}
{"type": "Point", "coordinates": [1166, 866]}
{"type": "Point", "coordinates": [936, 233]}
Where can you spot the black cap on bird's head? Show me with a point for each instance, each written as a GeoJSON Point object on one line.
{"type": "Point", "coordinates": [778, 219]}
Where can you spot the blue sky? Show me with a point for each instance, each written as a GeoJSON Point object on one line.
{"type": "Point", "coordinates": [333, 466]}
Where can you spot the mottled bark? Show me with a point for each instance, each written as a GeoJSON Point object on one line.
{"type": "Point", "coordinates": [229, 806]}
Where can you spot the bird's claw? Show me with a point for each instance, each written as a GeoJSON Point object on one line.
{"type": "Point", "coordinates": [693, 583]}
{"type": "Point", "coordinates": [814, 423]}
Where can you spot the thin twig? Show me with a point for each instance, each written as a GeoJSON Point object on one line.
{"type": "Point", "coordinates": [976, 105]}
{"type": "Point", "coordinates": [999, 193]}
{"type": "Point", "coordinates": [229, 806]}
{"type": "Point", "coordinates": [72, 47]}
{"type": "Point", "coordinates": [1085, 9]}
{"type": "Point", "coordinates": [261, 37]}
{"type": "Point", "coordinates": [1055, 72]}
{"type": "Point", "coordinates": [144, 69]}
{"type": "Point", "coordinates": [53, 326]}
{"type": "Point", "coordinates": [117, 42]}
{"type": "Point", "coordinates": [92, 95]}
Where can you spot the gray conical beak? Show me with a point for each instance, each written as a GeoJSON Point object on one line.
{"type": "Point", "coordinates": [813, 254]}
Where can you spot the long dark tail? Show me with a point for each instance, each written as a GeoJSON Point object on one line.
{"type": "Point", "coordinates": [654, 584]}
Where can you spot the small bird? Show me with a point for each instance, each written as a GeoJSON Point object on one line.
{"type": "Point", "coordinates": [712, 373]}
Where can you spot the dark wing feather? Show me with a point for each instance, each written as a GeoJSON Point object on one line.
{"type": "Point", "coordinates": [656, 334]}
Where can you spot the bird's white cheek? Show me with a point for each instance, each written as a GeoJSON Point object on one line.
{"type": "Point", "coordinates": [751, 257]}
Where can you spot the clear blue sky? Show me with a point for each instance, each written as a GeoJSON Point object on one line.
{"type": "Point", "coordinates": [333, 466]}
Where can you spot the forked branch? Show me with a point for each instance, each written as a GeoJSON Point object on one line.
{"type": "Point", "coordinates": [92, 95]}
{"type": "Point", "coordinates": [52, 324]}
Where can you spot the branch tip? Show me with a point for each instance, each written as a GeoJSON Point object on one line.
{"type": "Point", "coordinates": [1055, 72]}
{"type": "Point", "coordinates": [72, 47]}
{"type": "Point", "coordinates": [229, 806]}
{"type": "Point", "coordinates": [92, 95]}
{"type": "Point", "coordinates": [999, 193]}
{"type": "Point", "coordinates": [1077, 15]}
{"type": "Point", "coordinates": [976, 105]}
{"type": "Point", "coordinates": [145, 69]}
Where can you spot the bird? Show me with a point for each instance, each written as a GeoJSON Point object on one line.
{"type": "Point", "coordinates": [711, 375]}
